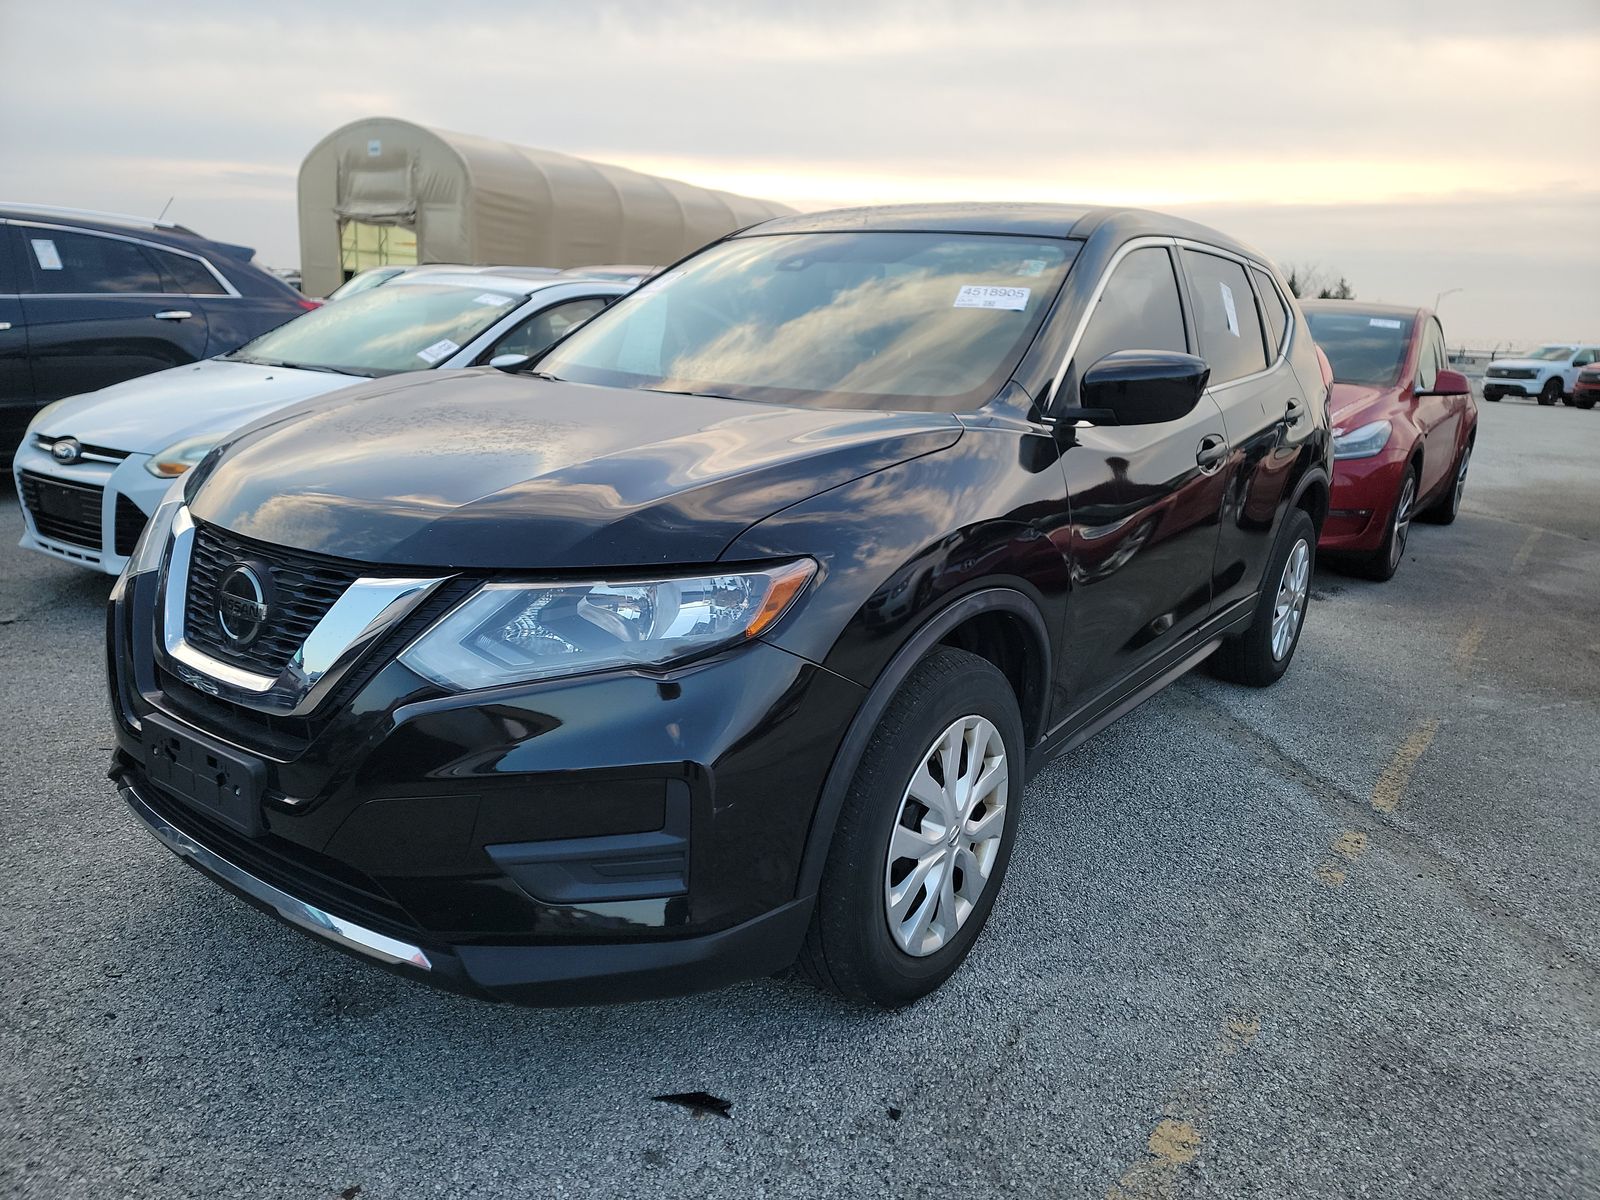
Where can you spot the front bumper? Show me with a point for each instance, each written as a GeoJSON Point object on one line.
{"type": "Point", "coordinates": [594, 839]}
{"type": "Point", "coordinates": [1493, 388]}
{"type": "Point", "coordinates": [127, 495]}
{"type": "Point", "coordinates": [1361, 501]}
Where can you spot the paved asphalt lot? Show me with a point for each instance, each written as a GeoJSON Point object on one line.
{"type": "Point", "coordinates": [1337, 938]}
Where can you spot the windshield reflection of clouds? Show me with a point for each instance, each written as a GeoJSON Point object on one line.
{"type": "Point", "coordinates": [382, 330]}
{"type": "Point", "coordinates": [868, 316]}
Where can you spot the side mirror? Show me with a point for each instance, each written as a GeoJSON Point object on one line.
{"type": "Point", "coordinates": [510, 363]}
{"type": "Point", "coordinates": [1447, 383]}
{"type": "Point", "coordinates": [1139, 387]}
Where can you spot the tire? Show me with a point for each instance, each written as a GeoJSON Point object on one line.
{"type": "Point", "coordinates": [1550, 393]}
{"type": "Point", "coordinates": [1382, 563]}
{"type": "Point", "coordinates": [1255, 657]}
{"type": "Point", "coordinates": [1586, 402]}
{"type": "Point", "coordinates": [1447, 508]}
{"type": "Point", "coordinates": [1494, 399]}
{"type": "Point", "coordinates": [850, 948]}
{"type": "Point", "coordinates": [1569, 400]}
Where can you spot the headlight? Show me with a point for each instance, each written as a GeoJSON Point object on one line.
{"type": "Point", "coordinates": [180, 456]}
{"type": "Point", "coordinates": [1363, 442]}
{"type": "Point", "coordinates": [516, 632]}
{"type": "Point", "coordinates": [152, 543]}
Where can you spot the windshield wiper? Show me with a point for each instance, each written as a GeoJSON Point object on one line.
{"type": "Point", "coordinates": [675, 392]}
{"type": "Point", "coordinates": [295, 366]}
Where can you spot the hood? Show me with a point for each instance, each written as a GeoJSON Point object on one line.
{"type": "Point", "coordinates": [485, 469]}
{"type": "Point", "coordinates": [148, 414]}
{"type": "Point", "coordinates": [1526, 364]}
{"type": "Point", "coordinates": [1352, 405]}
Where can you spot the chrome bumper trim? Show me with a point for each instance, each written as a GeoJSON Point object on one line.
{"type": "Point", "coordinates": [290, 908]}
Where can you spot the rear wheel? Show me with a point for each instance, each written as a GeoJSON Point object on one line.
{"type": "Point", "coordinates": [1448, 506]}
{"type": "Point", "coordinates": [1261, 654]}
{"type": "Point", "coordinates": [1383, 562]}
{"type": "Point", "coordinates": [924, 836]}
{"type": "Point", "coordinates": [1584, 401]}
{"type": "Point", "coordinates": [1492, 397]}
{"type": "Point", "coordinates": [1550, 393]}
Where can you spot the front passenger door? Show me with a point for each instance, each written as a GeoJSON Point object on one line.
{"type": "Point", "coordinates": [1143, 532]}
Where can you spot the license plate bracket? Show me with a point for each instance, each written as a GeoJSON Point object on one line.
{"type": "Point", "coordinates": [208, 776]}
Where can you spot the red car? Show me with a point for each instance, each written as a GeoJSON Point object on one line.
{"type": "Point", "coordinates": [1587, 390]}
{"type": "Point", "coordinates": [1403, 426]}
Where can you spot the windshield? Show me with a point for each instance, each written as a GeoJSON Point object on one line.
{"type": "Point", "coordinates": [403, 327]}
{"type": "Point", "coordinates": [1550, 353]}
{"type": "Point", "coordinates": [1361, 347]}
{"type": "Point", "coordinates": [929, 321]}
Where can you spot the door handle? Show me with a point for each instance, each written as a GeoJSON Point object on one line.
{"type": "Point", "coordinates": [1294, 412]}
{"type": "Point", "coordinates": [1213, 450]}
{"type": "Point", "coordinates": [174, 314]}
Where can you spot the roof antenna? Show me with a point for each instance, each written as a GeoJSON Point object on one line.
{"type": "Point", "coordinates": [164, 208]}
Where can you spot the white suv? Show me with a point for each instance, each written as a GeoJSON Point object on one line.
{"type": "Point", "coordinates": [1547, 374]}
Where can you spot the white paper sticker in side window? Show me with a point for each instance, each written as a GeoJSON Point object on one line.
{"type": "Point", "coordinates": [974, 295]}
{"type": "Point", "coordinates": [1227, 303]}
{"type": "Point", "coordinates": [441, 349]}
{"type": "Point", "coordinates": [1384, 323]}
{"type": "Point", "coordinates": [45, 251]}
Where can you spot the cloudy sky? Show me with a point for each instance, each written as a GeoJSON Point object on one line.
{"type": "Point", "coordinates": [1411, 147]}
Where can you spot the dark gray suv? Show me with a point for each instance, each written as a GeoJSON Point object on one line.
{"type": "Point", "coordinates": [91, 299]}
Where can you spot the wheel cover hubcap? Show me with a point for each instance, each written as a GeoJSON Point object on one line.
{"type": "Point", "coordinates": [1290, 605]}
{"type": "Point", "coordinates": [947, 835]}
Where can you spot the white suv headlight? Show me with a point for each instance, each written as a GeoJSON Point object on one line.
{"type": "Point", "coordinates": [1364, 442]}
{"type": "Point", "coordinates": [517, 632]}
{"type": "Point", "coordinates": [180, 456]}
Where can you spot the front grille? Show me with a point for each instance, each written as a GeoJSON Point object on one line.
{"type": "Point", "coordinates": [129, 524]}
{"type": "Point", "coordinates": [1510, 373]}
{"type": "Point", "coordinates": [45, 442]}
{"type": "Point", "coordinates": [62, 511]}
{"type": "Point", "coordinates": [304, 587]}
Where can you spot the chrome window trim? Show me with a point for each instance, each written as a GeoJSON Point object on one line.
{"type": "Point", "coordinates": [367, 610]}
{"type": "Point", "coordinates": [1123, 251]}
{"type": "Point", "coordinates": [228, 289]}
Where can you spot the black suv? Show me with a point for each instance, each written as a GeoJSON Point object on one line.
{"type": "Point", "coordinates": [91, 299]}
{"type": "Point", "coordinates": [727, 633]}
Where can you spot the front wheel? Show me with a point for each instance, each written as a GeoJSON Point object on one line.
{"type": "Point", "coordinates": [924, 835]}
{"type": "Point", "coordinates": [1550, 393]}
{"type": "Point", "coordinates": [1261, 654]}
{"type": "Point", "coordinates": [1383, 562]}
{"type": "Point", "coordinates": [1586, 402]}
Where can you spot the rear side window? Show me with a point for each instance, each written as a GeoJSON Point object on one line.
{"type": "Point", "coordinates": [1276, 310]}
{"type": "Point", "coordinates": [1139, 310]}
{"type": "Point", "coordinates": [84, 263]}
{"type": "Point", "coordinates": [184, 276]}
{"type": "Point", "coordinates": [542, 330]}
{"type": "Point", "coordinates": [1225, 314]}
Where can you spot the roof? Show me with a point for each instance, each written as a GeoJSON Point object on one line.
{"type": "Point", "coordinates": [1022, 220]}
{"type": "Point", "coordinates": [162, 232]}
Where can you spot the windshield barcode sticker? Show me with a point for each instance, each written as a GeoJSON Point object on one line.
{"type": "Point", "coordinates": [1384, 323]}
{"type": "Point", "coordinates": [491, 298]}
{"type": "Point", "coordinates": [977, 296]}
{"type": "Point", "coordinates": [441, 349]}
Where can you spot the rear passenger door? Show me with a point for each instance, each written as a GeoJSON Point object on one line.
{"type": "Point", "coordinates": [1262, 409]}
{"type": "Point", "coordinates": [1143, 508]}
{"type": "Point", "coordinates": [99, 311]}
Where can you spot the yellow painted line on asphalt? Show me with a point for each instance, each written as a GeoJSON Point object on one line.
{"type": "Point", "coordinates": [1525, 551]}
{"type": "Point", "coordinates": [1467, 645]}
{"type": "Point", "coordinates": [1181, 1134]}
{"type": "Point", "coordinates": [1349, 846]}
{"type": "Point", "coordinates": [1391, 786]}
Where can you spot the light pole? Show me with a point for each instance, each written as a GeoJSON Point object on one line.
{"type": "Point", "coordinates": [1442, 295]}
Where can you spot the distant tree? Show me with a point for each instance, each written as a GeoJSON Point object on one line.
{"type": "Point", "coordinates": [1307, 279]}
